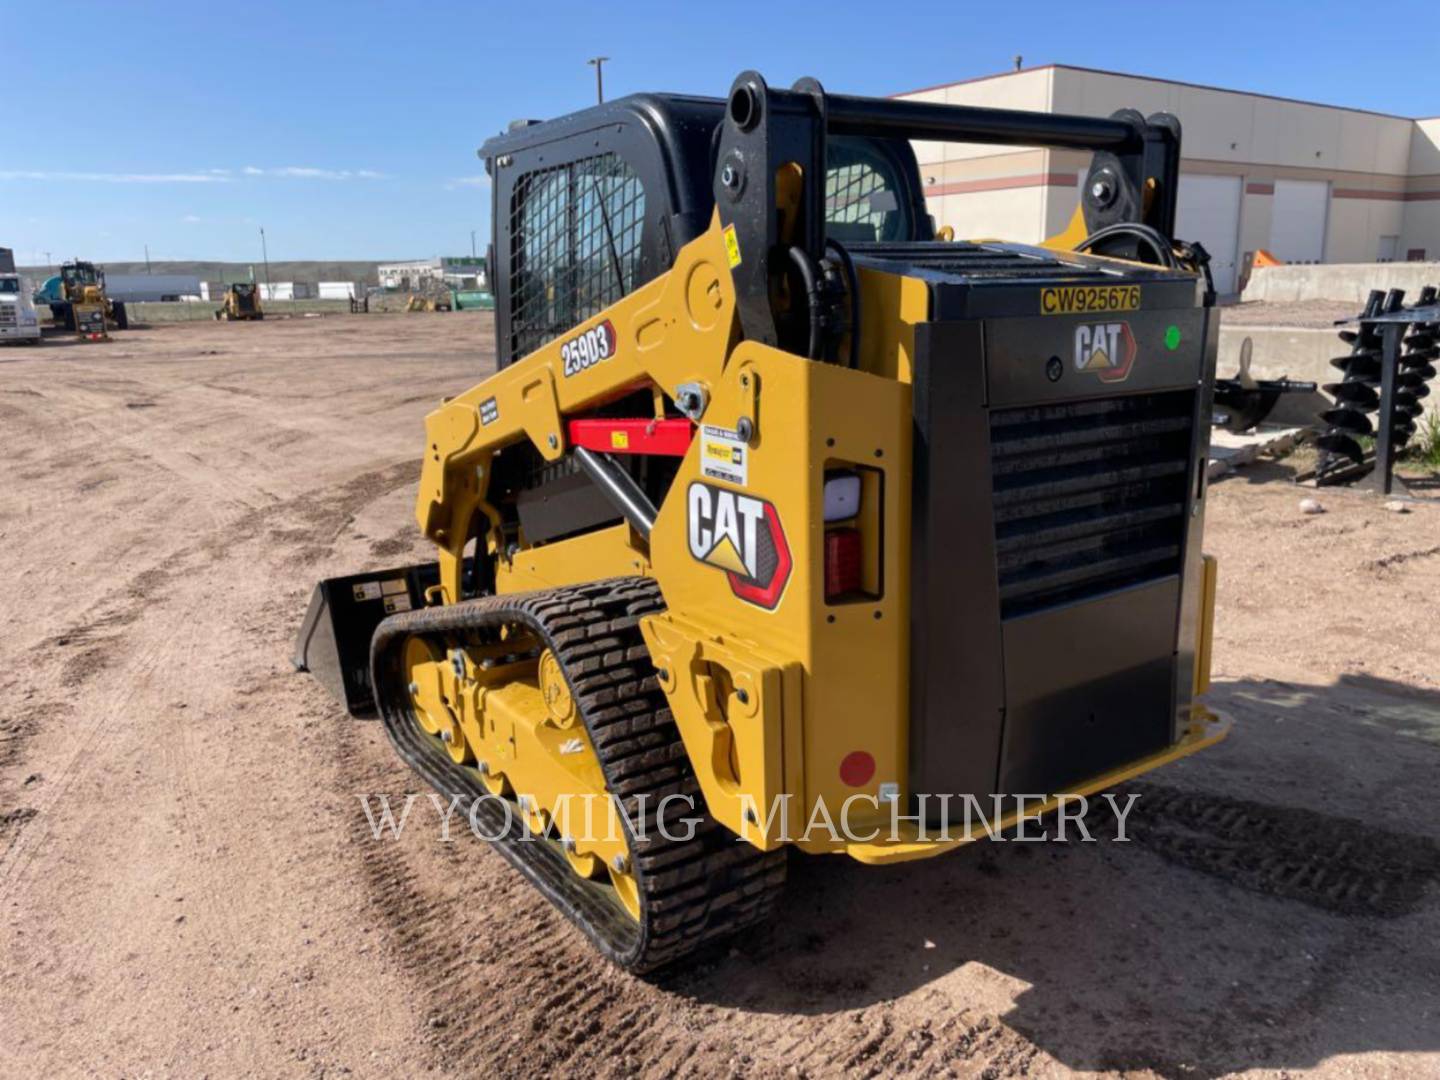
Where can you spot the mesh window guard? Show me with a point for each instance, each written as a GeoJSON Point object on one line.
{"type": "Point", "coordinates": [575, 231]}
{"type": "Point", "coordinates": [862, 200]}
{"type": "Point", "coordinates": [847, 195]}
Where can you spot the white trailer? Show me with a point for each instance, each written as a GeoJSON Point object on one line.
{"type": "Point", "coordinates": [138, 288]}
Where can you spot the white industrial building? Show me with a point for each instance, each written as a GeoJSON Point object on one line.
{"type": "Point", "coordinates": [1306, 182]}
{"type": "Point", "coordinates": [287, 290]}
{"type": "Point", "coordinates": [458, 271]}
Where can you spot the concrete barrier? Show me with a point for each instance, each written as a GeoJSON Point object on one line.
{"type": "Point", "coordinates": [1299, 352]}
{"type": "Point", "coordinates": [201, 310]}
{"type": "Point", "coordinates": [1350, 282]}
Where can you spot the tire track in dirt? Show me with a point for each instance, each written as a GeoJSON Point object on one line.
{"type": "Point", "coordinates": [100, 636]}
{"type": "Point", "coordinates": [1337, 864]}
{"type": "Point", "coordinates": [321, 515]}
{"type": "Point", "coordinates": [504, 983]}
{"type": "Point", "coordinates": [1400, 557]}
{"type": "Point", "coordinates": [461, 938]}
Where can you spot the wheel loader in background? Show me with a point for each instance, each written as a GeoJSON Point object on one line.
{"type": "Point", "coordinates": [776, 503]}
{"type": "Point", "coordinates": [78, 300]}
{"type": "Point", "coordinates": [241, 303]}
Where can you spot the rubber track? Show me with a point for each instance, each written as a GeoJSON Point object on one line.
{"type": "Point", "coordinates": [693, 891]}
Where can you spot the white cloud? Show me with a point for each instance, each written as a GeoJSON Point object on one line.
{"type": "Point", "coordinates": [116, 178]}
{"type": "Point", "coordinates": [480, 181]}
{"type": "Point", "coordinates": [198, 176]}
{"type": "Point", "coordinates": [191, 219]}
{"type": "Point", "coordinates": [310, 172]}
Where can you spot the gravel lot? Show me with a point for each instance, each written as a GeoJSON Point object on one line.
{"type": "Point", "coordinates": [188, 885]}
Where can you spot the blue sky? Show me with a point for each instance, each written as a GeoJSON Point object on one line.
{"type": "Point", "coordinates": [348, 130]}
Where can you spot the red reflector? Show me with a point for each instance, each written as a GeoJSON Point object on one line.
{"type": "Point", "coordinates": [842, 562]}
{"type": "Point", "coordinates": [857, 768]}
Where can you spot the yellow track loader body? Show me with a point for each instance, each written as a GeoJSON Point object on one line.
{"type": "Point", "coordinates": [241, 303]}
{"type": "Point", "coordinates": [785, 524]}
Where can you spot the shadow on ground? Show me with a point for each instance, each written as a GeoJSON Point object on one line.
{"type": "Point", "coordinates": [1276, 906]}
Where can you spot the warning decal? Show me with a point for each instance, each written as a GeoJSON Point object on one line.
{"type": "Point", "coordinates": [724, 456]}
{"type": "Point", "coordinates": [732, 246]}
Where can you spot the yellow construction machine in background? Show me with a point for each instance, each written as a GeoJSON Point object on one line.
{"type": "Point", "coordinates": [241, 303]}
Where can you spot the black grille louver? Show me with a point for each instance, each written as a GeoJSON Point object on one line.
{"type": "Point", "coordinates": [1089, 496]}
{"type": "Point", "coordinates": [977, 262]}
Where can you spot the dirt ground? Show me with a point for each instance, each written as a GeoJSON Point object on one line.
{"type": "Point", "coordinates": [188, 886]}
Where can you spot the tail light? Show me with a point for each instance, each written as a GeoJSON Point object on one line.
{"type": "Point", "coordinates": [843, 567]}
{"type": "Point", "coordinates": [853, 527]}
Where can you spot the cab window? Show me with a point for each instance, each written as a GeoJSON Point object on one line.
{"type": "Point", "coordinates": [576, 232]}
{"type": "Point", "coordinates": [865, 197]}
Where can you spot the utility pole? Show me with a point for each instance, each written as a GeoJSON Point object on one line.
{"type": "Point", "coordinates": [147, 260]}
{"type": "Point", "coordinates": [472, 243]}
{"type": "Point", "coordinates": [265, 254]}
{"type": "Point", "coordinates": [47, 264]}
{"type": "Point", "coordinates": [598, 62]}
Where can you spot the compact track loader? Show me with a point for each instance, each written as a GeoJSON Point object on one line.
{"type": "Point", "coordinates": [778, 509]}
{"type": "Point", "coordinates": [241, 303]}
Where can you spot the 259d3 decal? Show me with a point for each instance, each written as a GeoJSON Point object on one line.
{"type": "Point", "coordinates": [741, 535]}
{"type": "Point", "coordinates": [586, 350]}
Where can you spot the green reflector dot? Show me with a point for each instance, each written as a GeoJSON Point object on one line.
{"type": "Point", "coordinates": [1172, 338]}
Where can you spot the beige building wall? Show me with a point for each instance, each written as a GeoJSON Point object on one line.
{"type": "Point", "coordinates": [987, 192]}
{"type": "Point", "coordinates": [1382, 173]}
{"type": "Point", "coordinates": [1028, 90]}
{"type": "Point", "coordinates": [1420, 226]}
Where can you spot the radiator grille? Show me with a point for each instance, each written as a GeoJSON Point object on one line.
{"type": "Point", "coordinates": [976, 262]}
{"type": "Point", "coordinates": [1088, 496]}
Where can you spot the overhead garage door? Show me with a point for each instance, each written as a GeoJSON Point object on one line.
{"type": "Point", "coordinates": [1297, 224]}
{"type": "Point", "coordinates": [1209, 211]}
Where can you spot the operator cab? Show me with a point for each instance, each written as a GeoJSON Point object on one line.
{"type": "Point", "coordinates": [78, 275]}
{"type": "Point", "coordinates": [589, 207]}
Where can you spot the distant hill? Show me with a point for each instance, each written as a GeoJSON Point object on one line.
{"type": "Point", "coordinates": [319, 270]}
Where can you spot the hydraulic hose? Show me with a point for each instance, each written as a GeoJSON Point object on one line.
{"type": "Point", "coordinates": [811, 277]}
{"type": "Point", "coordinates": [852, 281]}
{"type": "Point", "coordinates": [1146, 235]}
